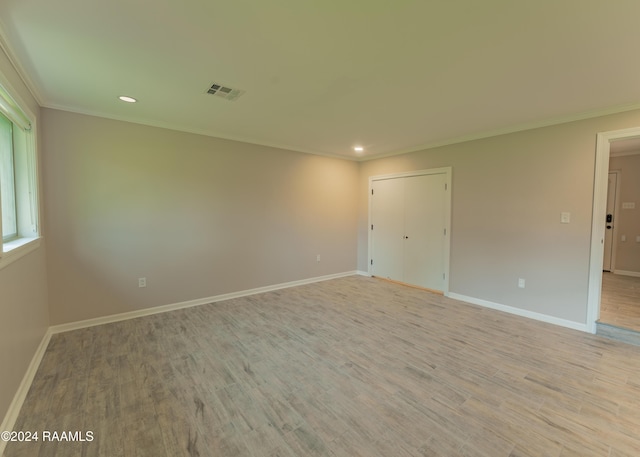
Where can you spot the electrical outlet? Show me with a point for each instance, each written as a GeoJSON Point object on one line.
{"type": "Point", "coordinates": [521, 283]}
{"type": "Point", "coordinates": [142, 282]}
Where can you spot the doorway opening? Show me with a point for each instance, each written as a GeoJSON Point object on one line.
{"type": "Point", "coordinates": [609, 292]}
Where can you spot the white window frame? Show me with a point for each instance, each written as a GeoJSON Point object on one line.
{"type": "Point", "coordinates": [7, 181]}
{"type": "Point", "coordinates": [26, 178]}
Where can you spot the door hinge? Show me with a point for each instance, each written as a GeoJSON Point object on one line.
{"type": "Point", "coordinates": [371, 191]}
{"type": "Point", "coordinates": [445, 186]}
{"type": "Point", "coordinates": [445, 232]}
{"type": "Point", "coordinates": [371, 226]}
{"type": "Point", "coordinates": [371, 261]}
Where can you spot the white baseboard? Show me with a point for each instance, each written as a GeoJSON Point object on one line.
{"type": "Point", "coordinates": [14, 409]}
{"type": "Point", "coordinates": [627, 273]}
{"type": "Point", "coordinates": [521, 312]}
{"type": "Point", "coordinates": [18, 399]}
{"type": "Point", "coordinates": [188, 304]}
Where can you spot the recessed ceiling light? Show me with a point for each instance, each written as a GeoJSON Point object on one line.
{"type": "Point", "coordinates": [358, 148]}
{"type": "Point", "coordinates": [124, 98]}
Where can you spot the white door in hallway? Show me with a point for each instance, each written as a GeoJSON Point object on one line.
{"type": "Point", "coordinates": [409, 232]}
{"type": "Point", "coordinates": [612, 188]}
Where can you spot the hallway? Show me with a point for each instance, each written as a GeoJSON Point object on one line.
{"type": "Point", "coordinates": [620, 302]}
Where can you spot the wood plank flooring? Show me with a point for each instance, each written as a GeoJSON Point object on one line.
{"type": "Point", "coordinates": [349, 367]}
{"type": "Point", "coordinates": [620, 301]}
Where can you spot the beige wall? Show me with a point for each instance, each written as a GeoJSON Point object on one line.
{"type": "Point", "coordinates": [197, 216]}
{"type": "Point", "coordinates": [23, 288]}
{"type": "Point", "coordinates": [507, 196]}
{"type": "Point", "coordinates": [200, 216]}
{"type": "Point", "coordinates": [628, 220]}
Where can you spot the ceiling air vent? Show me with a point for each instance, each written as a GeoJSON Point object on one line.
{"type": "Point", "coordinates": [224, 92]}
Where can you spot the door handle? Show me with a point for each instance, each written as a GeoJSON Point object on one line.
{"type": "Point", "coordinates": [608, 227]}
{"type": "Point", "coordinates": [406, 237]}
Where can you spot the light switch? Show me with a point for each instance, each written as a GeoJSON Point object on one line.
{"type": "Point", "coordinates": [623, 238]}
{"type": "Point", "coordinates": [565, 218]}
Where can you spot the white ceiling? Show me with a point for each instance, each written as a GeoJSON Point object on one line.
{"type": "Point", "coordinates": [323, 76]}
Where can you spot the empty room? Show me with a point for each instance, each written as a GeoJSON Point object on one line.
{"type": "Point", "coordinates": [362, 228]}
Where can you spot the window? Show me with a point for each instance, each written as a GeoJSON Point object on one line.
{"type": "Point", "coordinates": [18, 181]}
{"type": "Point", "coordinates": [7, 181]}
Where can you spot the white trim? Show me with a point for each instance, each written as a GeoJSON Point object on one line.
{"type": "Point", "coordinates": [406, 174]}
{"type": "Point", "coordinates": [195, 131]}
{"type": "Point", "coordinates": [337, 155]}
{"type": "Point", "coordinates": [12, 111]}
{"type": "Point", "coordinates": [18, 399]}
{"type": "Point", "coordinates": [596, 257]}
{"type": "Point", "coordinates": [635, 274]}
{"type": "Point", "coordinates": [10, 89]}
{"type": "Point", "coordinates": [505, 131]}
{"type": "Point", "coordinates": [17, 249]}
{"type": "Point", "coordinates": [624, 154]}
{"type": "Point", "coordinates": [20, 71]}
{"type": "Point", "coordinates": [426, 146]}
{"type": "Point", "coordinates": [28, 240]}
{"type": "Point", "coordinates": [447, 171]}
{"type": "Point", "coordinates": [32, 87]}
{"type": "Point", "coordinates": [520, 312]}
{"type": "Point", "coordinates": [190, 303]}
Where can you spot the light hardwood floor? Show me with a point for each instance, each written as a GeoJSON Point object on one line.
{"type": "Point", "coordinates": [349, 367]}
{"type": "Point", "coordinates": [620, 301]}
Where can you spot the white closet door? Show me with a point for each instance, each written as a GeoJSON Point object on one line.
{"type": "Point", "coordinates": [424, 244]}
{"type": "Point", "coordinates": [387, 218]}
{"type": "Point", "coordinates": [409, 215]}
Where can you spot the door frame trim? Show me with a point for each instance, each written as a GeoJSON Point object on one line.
{"type": "Point", "coordinates": [447, 171]}
{"type": "Point", "coordinates": [596, 257]}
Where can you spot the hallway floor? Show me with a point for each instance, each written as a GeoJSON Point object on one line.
{"type": "Point", "coordinates": [620, 302]}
